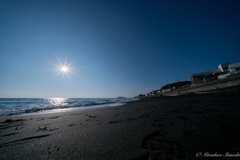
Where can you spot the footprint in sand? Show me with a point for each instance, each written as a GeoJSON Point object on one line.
{"type": "Point", "coordinates": [159, 146]}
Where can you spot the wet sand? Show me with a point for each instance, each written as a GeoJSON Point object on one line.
{"type": "Point", "coordinates": [192, 126]}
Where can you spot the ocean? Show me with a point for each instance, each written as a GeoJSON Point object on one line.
{"type": "Point", "coordinates": [19, 106]}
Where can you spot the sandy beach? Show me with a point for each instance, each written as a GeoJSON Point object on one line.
{"type": "Point", "coordinates": [193, 126]}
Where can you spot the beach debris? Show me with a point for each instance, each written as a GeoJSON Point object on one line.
{"type": "Point", "coordinates": [53, 117]}
{"type": "Point", "coordinates": [89, 116]}
{"type": "Point", "coordinates": [21, 120]}
{"type": "Point", "coordinates": [92, 116]}
{"type": "Point", "coordinates": [53, 129]}
{"type": "Point", "coordinates": [19, 127]}
{"type": "Point", "coordinates": [45, 128]}
{"type": "Point", "coordinates": [11, 120]}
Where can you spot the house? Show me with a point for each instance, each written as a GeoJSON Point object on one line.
{"type": "Point", "coordinates": [223, 67]}
{"type": "Point", "coordinates": [176, 85]}
{"type": "Point", "coordinates": [141, 95]}
{"type": "Point", "coordinates": [153, 93]}
{"type": "Point", "coordinates": [166, 90]}
{"type": "Point", "coordinates": [234, 68]}
{"type": "Point", "coordinates": [203, 77]}
{"type": "Point", "coordinates": [224, 70]}
{"type": "Point", "coordinates": [230, 70]}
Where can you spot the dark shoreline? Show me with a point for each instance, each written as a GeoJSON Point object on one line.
{"type": "Point", "coordinates": [181, 127]}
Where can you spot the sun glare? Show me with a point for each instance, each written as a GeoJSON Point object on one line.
{"type": "Point", "coordinates": [63, 68]}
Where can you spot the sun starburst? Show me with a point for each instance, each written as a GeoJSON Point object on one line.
{"type": "Point", "coordinates": [64, 68]}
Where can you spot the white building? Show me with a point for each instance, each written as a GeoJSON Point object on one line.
{"type": "Point", "coordinates": [232, 69]}
{"type": "Point", "coordinates": [224, 70]}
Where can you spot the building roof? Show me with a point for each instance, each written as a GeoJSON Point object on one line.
{"type": "Point", "coordinates": [235, 65]}
{"type": "Point", "coordinates": [207, 73]}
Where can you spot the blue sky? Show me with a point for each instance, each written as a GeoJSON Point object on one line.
{"type": "Point", "coordinates": [118, 47]}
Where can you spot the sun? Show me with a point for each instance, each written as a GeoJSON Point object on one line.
{"type": "Point", "coordinates": [63, 68]}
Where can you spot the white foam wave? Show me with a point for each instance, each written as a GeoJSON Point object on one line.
{"type": "Point", "coordinates": [59, 103]}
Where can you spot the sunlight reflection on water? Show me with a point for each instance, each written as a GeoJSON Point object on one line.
{"type": "Point", "coordinates": [57, 101]}
{"type": "Point", "coordinates": [17, 106]}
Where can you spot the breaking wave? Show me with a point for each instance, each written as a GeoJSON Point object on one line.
{"type": "Point", "coordinates": [18, 106]}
